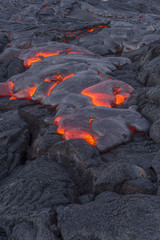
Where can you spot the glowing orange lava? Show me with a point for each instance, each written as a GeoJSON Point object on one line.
{"type": "Point", "coordinates": [105, 94]}
{"type": "Point", "coordinates": [24, 94]}
{"type": "Point", "coordinates": [50, 89]}
{"type": "Point", "coordinates": [38, 56]}
{"type": "Point", "coordinates": [104, 76]}
{"type": "Point", "coordinates": [98, 99]}
{"type": "Point", "coordinates": [75, 133]}
{"type": "Point", "coordinates": [58, 79]}
{"type": "Point", "coordinates": [90, 122]}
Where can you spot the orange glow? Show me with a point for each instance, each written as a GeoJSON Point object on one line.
{"type": "Point", "coordinates": [90, 122]}
{"type": "Point", "coordinates": [46, 7]}
{"type": "Point", "coordinates": [76, 133]}
{"type": "Point", "coordinates": [47, 80]}
{"type": "Point", "coordinates": [41, 55]}
{"type": "Point", "coordinates": [91, 119]}
{"type": "Point", "coordinates": [28, 62]}
{"type": "Point", "coordinates": [104, 76]}
{"type": "Point", "coordinates": [105, 94]}
{"type": "Point", "coordinates": [47, 54]}
{"type": "Point", "coordinates": [58, 79]}
{"type": "Point", "coordinates": [119, 99]}
{"type": "Point", "coordinates": [50, 89]}
{"type": "Point", "coordinates": [98, 99]}
{"type": "Point", "coordinates": [91, 30]}
{"type": "Point", "coordinates": [60, 130]}
{"type": "Point", "coordinates": [68, 76]}
{"type": "Point", "coordinates": [24, 94]}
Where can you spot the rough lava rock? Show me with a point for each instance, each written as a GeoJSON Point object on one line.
{"type": "Point", "coordinates": [79, 120]}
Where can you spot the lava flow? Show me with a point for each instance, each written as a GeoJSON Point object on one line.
{"type": "Point", "coordinates": [24, 94]}
{"type": "Point", "coordinates": [40, 55]}
{"type": "Point", "coordinates": [57, 79]}
{"type": "Point", "coordinates": [108, 93]}
{"type": "Point", "coordinates": [73, 133]}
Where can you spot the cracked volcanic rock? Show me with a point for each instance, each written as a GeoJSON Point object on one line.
{"type": "Point", "coordinates": [79, 120]}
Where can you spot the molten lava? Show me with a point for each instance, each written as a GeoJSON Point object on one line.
{"type": "Point", "coordinates": [76, 133]}
{"type": "Point", "coordinates": [24, 94]}
{"type": "Point", "coordinates": [108, 93]}
{"type": "Point", "coordinates": [57, 79]}
{"type": "Point", "coordinates": [38, 56]}
{"type": "Point", "coordinates": [73, 133]}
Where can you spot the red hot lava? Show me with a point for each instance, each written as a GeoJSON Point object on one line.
{"type": "Point", "coordinates": [57, 79]}
{"type": "Point", "coordinates": [24, 94]}
{"type": "Point", "coordinates": [40, 55]}
{"type": "Point", "coordinates": [73, 133]}
{"type": "Point", "coordinates": [108, 93]}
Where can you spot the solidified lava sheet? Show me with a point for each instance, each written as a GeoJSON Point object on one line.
{"type": "Point", "coordinates": [79, 120]}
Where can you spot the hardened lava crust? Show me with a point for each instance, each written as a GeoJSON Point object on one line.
{"type": "Point", "coordinates": [79, 120]}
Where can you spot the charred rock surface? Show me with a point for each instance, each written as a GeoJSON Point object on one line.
{"type": "Point", "coordinates": [79, 120]}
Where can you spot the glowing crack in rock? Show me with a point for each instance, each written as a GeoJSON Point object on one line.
{"type": "Point", "coordinates": [108, 93]}
{"type": "Point", "coordinates": [76, 34]}
{"type": "Point", "coordinates": [56, 79]}
{"type": "Point", "coordinates": [38, 56]}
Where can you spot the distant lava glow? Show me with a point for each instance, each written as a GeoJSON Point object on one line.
{"type": "Point", "coordinates": [73, 35]}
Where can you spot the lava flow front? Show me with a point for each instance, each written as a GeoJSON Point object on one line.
{"type": "Point", "coordinates": [74, 133]}
{"type": "Point", "coordinates": [109, 93]}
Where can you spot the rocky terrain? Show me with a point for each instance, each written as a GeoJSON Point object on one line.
{"type": "Point", "coordinates": [79, 120]}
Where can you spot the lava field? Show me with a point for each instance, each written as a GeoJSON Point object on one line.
{"type": "Point", "coordinates": [79, 120]}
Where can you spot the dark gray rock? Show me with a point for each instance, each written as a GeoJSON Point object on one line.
{"type": "Point", "coordinates": [111, 216]}
{"type": "Point", "coordinates": [14, 139]}
{"type": "Point", "coordinates": [40, 185]}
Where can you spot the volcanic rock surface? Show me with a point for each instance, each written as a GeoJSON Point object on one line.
{"type": "Point", "coordinates": [79, 120]}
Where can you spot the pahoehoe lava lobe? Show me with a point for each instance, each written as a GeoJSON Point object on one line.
{"type": "Point", "coordinates": [79, 120]}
